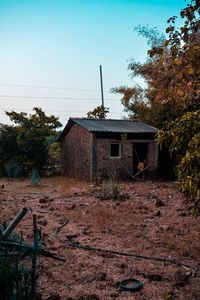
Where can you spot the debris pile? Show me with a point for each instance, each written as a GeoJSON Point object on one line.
{"type": "Point", "coordinates": [18, 261]}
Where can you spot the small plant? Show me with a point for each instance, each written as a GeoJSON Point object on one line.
{"type": "Point", "coordinates": [112, 190]}
{"type": "Point", "coordinates": [35, 177]}
{"type": "Point", "coordinates": [167, 295]}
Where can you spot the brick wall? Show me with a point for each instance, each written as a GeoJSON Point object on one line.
{"type": "Point", "coordinates": [106, 165]}
{"type": "Point", "coordinates": [152, 155]}
{"type": "Point", "coordinates": [76, 153]}
{"type": "Point", "coordinates": [123, 166]}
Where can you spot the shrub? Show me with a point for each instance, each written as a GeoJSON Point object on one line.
{"type": "Point", "coordinates": [183, 139]}
{"type": "Point", "coordinates": [112, 190]}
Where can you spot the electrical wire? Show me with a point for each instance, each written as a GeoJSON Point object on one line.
{"type": "Point", "coordinates": [48, 87]}
{"type": "Point", "coordinates": [55, 98]}
{"type": "Point", "coordinates": [54, 111]}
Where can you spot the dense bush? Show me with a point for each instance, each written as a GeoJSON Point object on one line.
{"type": "Point", "coordinates": [182, 137]}
{"type": "Point", "coordinates": [27, 143]}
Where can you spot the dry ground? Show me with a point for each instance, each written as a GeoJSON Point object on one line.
{"type": "Point", "coordinates": [141, 224]}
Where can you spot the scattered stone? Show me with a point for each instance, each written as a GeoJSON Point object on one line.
{"type": "Point", "coordinates": [164, 227]}
{"type": "Point", "coordinates": [157, 213]}
{"type": "Point", "coordinates": [159, 202]}
{"type": "Point", "coordinates": [52, 209]}
{"type": "Point", "coordinates": [123, 265]}
{"type": "Point", "coordinates": [183, 214]}
{"type": "Point", "coordinates": [72, 206]}
{"type": "Point", "coordinates": [154, 277]}
{"type": "Point", "coordinates": [44, 200]}
{"type": "Point", "coordinates": [152, 196]}
{"type": "Point", "coordinates": [148, 220]}
{"type": "Point", "coordinates": [144, 208]}
{"type": "Point", "coordinates": [101, 276]}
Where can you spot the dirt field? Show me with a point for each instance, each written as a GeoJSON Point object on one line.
{"type": "Point", "coordinates": [151, 222]}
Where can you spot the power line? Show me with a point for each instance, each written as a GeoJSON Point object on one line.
{"type": "Point", "coordinates": [48, 87]}
{"type": "Point", "coordinates": [52, 110]}
{"type": "Point", "coordinates": [56, 98]}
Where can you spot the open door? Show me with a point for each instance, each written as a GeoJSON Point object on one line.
{"type": "Point", "coordinates": [140, 152]}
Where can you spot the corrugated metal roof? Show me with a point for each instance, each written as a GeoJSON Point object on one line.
{"type": "Point", "coordinates": [109, 125]}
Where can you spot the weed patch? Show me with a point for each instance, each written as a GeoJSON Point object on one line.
{"type": "Point", "coordinates": [112, 191]}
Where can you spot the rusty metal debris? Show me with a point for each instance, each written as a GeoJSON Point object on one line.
{"type": "Point", "coordinates": [18, 260]}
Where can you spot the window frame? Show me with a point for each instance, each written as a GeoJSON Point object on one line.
{"type": "Point", "coordinates": [115, 157]}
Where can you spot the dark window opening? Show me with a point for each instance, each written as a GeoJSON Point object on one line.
{"type": "Point", "coordinates": [115, 150]}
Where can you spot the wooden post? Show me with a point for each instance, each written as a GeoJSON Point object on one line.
{"type": "Point", "coordinates": [101, 79]}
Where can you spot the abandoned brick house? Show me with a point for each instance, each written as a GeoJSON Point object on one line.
{"type": "Point", "coordinates": [94, 147]}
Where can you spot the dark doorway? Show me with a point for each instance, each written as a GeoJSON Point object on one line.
{"type": "Point", "coordinates": [140, 151]}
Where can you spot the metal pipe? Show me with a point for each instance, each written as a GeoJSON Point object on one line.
{"type": "Point", "coordinates": [15, 222]}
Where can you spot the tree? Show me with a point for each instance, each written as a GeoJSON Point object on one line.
{"type": "Point", "coordinates": [99, 112]}
{"type": "Point", "coordinates": [9, 150]}
{"type": "Point", "coordinates": [154, 37]}
{"type": "Point", "coordinates": [29, 140]}
{"type": "Point", "coordinates": [170, 99]}
{"type": "Point", "coordinates": [182, 135]}
{"type": "Point", "coordinates": [171, 72]}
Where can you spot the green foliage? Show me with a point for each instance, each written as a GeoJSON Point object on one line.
{"type": "Point", "coordinates": [172, 88]}
{"type": "Point", "coordinates": [51, 140]}
{"type": "Point", "coordinates": [171, 72]}
{"type": "Point", "coordinates": [153, 35]}
{"type": "Point", "coordinates": [54, 159]}
{"type": "Point", "coordinates": [99, 112]}
{"type": "Point", "coordinates": [112, 190]}
{"type": "Point", "coordinates": [9, 149]}
{"type": "Point", "coordinates": [182, 137]}
{"type": "Point", "coordinates": [28, 142]}
{"type": "Point", "coordinates": [167, 295]}
{"type": "Point", "coordinates": [35, 177]}
{"type": "Point", "coordinates": [13, 169]}
{"type": "Point", "coordinates": [15, 280]}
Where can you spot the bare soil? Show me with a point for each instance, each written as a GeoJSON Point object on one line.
{"type": "Point", "coordinates": [153, 221]}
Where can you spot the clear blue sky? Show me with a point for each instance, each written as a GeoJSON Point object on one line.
{"type": "Point", "coordinates": [61, 43]}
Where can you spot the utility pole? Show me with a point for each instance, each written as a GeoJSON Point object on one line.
{"type": "Point", "coordinates": [101, 79]}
